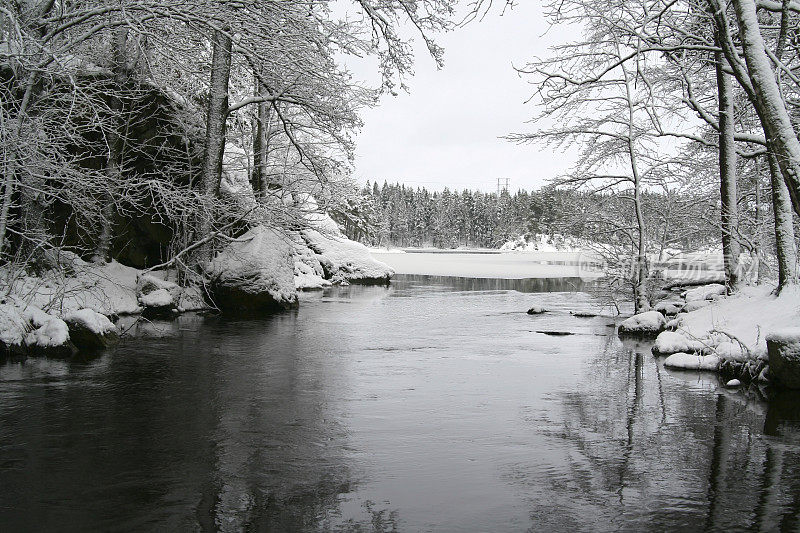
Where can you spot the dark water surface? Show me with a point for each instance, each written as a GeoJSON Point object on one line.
{"type": "Point", "coordinates": [431, 405]}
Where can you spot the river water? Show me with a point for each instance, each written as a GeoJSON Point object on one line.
{"type": "Point", "coordinates": [435, 404]}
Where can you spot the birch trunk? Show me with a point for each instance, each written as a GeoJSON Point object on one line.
{"type": "Point", "coordinates": [727, 176]}
{"type": "Point", "coordinates": [768, 102]}
{"type": "Point", "coordinates": [785, 247]}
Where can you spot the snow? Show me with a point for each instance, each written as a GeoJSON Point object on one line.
{"type": "Point", "coordinates": [647, 322]}
{"type": "Point", "coordinates": [685, 361]}
{"type": "Point", "coordinates": [733, 383]}
{"type": "Point", "coordinates": [52, 333]}
{"type": "Point", "coordinates": [669, 342]}
{"type": "Point", "coordinates": [91, 320]}
{"type": "Point", "coordinates": [13, 326]}
{"type": "Point", "coordinates": [789, 335]}
{"type": "Point", "coordinates": [750, 315]}
{"type": "Point", "coordinates": [156, 298]}
{"type": "Point", "coordinates": [536, 310]}
{"type": "Point", "coordinates": [108, 289]}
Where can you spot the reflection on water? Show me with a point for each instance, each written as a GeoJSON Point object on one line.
{"type": "Point", "coordinates": [430, 405]}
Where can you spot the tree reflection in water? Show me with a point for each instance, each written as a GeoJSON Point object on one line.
{"type": "Point", "coordinates": [651, 454]}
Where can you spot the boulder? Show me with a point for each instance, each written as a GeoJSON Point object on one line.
{"type": "Point", "coordinates": [733, 383]}
{"type": "Point", "coordinates": [647, 323]}
{"type": "Point", "coordinates": [783, 348]}
{"type": "Point", "coordinates": [536, 310]}
{"type": "Point", "coordinates": [670, 342]}
{"type": "Point", "coordinates": [254, 273]}
{"type": "Point", "coordinates": [685, 361]}
{"type": "Point", "coordinates": [90, 330]}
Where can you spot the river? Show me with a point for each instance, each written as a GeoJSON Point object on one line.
{"type": "Point", "coordinates": [434, 404]}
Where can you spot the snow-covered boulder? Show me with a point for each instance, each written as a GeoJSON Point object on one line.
{"type": "Point", "coordinates": [694, 305]}
{"type": "Point", "coordinates": [670, 342]}
{"type": "Point", "coordinates": [669, 307]}
{"type": "Point", "coordinates": [156, 296]}
{"type": "Point", "coordinates": [341, 259]}
{"type": "Point", "coordinates": [255, 272]}
{"type": "Point", "coordinates": [705, 292]}
{"type": "Point", "coordinates": [536, 310]}
{"type": "Point", "coordinates": [50, 338]}
{"type": "Point", "coordinates": [13, 328]}
{"type": "Point", "coordinates": [783, 348]}
{"type": "Point", "coordinates": [90, 330]}
{"type": "Point", "coordinates": [686, 361]}
{"type": "Point", "coordinates": [647, 323]}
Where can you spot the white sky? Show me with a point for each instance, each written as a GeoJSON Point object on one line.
{"type": "Point", "coordinates": [447, 131]}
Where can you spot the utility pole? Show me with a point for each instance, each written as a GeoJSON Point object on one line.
{"type": "Point", "coordinates": [502, 185]}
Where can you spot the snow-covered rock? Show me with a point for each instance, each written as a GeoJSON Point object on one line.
{"type": "Point", "coordinates": [308, 272]}
{"type": "Point", "coordinates": [13, 328]}
{"type": "Point", "coordinates": [157, 297]}
{"type": "Point", "coordinates": [685, 361]}
{"type": "Point", "coordinates": [733, 383]}
{"type": "Point", "coordinates": [704, 292]}
{"type": "Point", "coordinates": [670, 342]}
{"type": "Point", "coordinates": [669, 308]}
{"type": "Point", "coordinates": [89, 329]}
{"type": "Point", "coordinates": [783, 347]}
{"type": "Point", "coordinates": [255, 272]}
{"type": "Point", "coordinates": [694, 305]}
{"type": "Point", "coordinates": [50, 338]}
{"type": "Point", "coordinates": [647, 323]}
{"type": "Point", "coordinates": [340, 258]}
{"type": "Point", "coordinates": [536, 310]}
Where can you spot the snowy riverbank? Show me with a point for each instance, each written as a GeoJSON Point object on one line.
{"type": "Point", "coordinates": [263, 265]}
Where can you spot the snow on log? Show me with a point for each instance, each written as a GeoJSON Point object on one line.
{"type": "Point", "coordinates": [89, 329]}
{"type": "Point", "coordinates": [255, 272]}
{"type": "Point", "coordinates": [685, 361]}
{"type": "Point", "coordinates": [783, 349]}
{"type": "Point", "coordinates": [647, 323]}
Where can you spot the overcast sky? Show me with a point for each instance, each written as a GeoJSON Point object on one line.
{"type": "Point", "coordinates": [446, 131]}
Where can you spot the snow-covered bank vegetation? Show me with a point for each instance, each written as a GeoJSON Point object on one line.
{"type": "Point", "coordinates": [148, 147]}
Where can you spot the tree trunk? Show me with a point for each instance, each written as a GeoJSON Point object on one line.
{"type": "Point", "coordinates": [114, 164]}
{"type": "Point", "coordinates": [727, 176]}
{"type": "Point", "coordinates": [215, 129]}
{"type": "Point", "coordinates": [785, 247]}
{"type": "Point", "coordinates": [261, 145]}
{"type": "Point", "coordinates": [768, 102]}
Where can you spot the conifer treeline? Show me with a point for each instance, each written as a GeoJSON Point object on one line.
{"type": "Point", "coordinates": [399, 215]}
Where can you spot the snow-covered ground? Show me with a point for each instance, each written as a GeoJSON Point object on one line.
{"type": "Point", "coordinates": [749, 316]}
